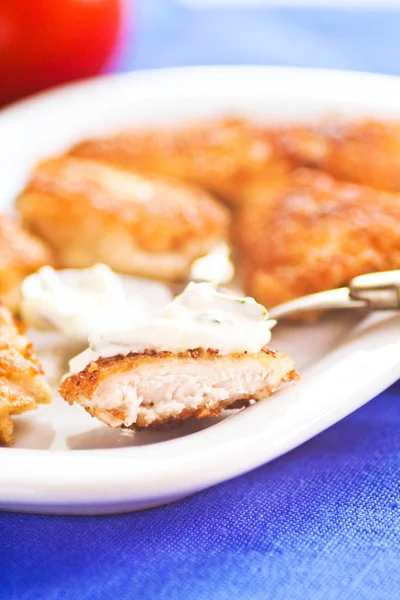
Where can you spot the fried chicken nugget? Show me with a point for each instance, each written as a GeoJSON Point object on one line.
{"type": "Point", "coordinates": [225, 156]}
{"type": "Point", "coordinates": [21, 254]}
{"type": "Point", "coordinates": [22, 382]}
{"type": "Point", "coordinates": [91, 212]}
{"type": "Point", "coordinates": [150, 389]}
{"type": "Point", "coordinates": [207, 351]}
{"type": "Point", "coordinates": [363, 151]}
{"type": "Point", "coordinates": [313, 233]}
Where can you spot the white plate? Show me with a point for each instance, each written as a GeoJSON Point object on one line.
{"type": "Point", "coordinates": [66, 462]}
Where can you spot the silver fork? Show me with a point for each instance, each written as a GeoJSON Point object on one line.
{"type": "Point", "coordinates": [373, 291]}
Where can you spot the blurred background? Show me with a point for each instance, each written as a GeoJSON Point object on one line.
{"type": "Point", "coordinates": [47, 42]}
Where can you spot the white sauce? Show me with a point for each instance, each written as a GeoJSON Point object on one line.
{"type": "Point", "coordinates": [200, 317]}
{"type": "Point", "coordinates": [80, 302]}
{"type": "Point", "coordinates": [215, 266]}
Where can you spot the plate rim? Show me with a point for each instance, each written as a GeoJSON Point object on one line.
{"type": "Point", "coordinates": [80, 84]}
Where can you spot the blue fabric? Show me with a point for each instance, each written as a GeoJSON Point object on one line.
{"type": "Point", "coordinates": [170, 34]}
{"type": "Point", "coordinates": [320, 523]}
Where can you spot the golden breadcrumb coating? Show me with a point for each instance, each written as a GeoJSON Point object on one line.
{"type": "Point", "coordinates": [313, 233]}
{"type": "Point", "coordinates": [91, 212]}
{"type": "Point", "coordinates": [225, 156]}
{"type": "Point", "coordinates": [177, 379]}
{"type": "Point", "coordinates": [21, 254]}
{"type": "Point", "coordinates": [22, 382]}
{"type": "Point", "coordinates": [363, 151]}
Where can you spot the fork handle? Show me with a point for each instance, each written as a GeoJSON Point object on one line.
{"type": "Point", "coordinates": [332, 299]}
{"type": "Point", "coordinates": [373, 291]}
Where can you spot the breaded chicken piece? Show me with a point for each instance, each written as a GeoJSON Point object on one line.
{"type": "Point", "coordinates": [153, 388]}
{"type": "Point", "coordinates": [20, 255]}
{"type": "Point", "coordinates": [225, 156]}
{"type": "Point", "coordinates": [22, 382]}
{"type": "Point", "coordinates": [313, 233]}
{"type": "Point", "coordinates": [363, 151]}
{"type": "Point", "coordinates": [90, 212]}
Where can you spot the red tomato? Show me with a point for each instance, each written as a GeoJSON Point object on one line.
{"type": "Point", "coordinates": [47, 42]}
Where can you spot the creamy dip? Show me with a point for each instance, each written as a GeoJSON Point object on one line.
{"type": "Point", "coordinates": [78, 302]}
{"type": "Point", "coordinates": [200, 317]}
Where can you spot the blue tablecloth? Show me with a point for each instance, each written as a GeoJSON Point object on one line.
{"type": "Point", "coordinates": [320, 523]}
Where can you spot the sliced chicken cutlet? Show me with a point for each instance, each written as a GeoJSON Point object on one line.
{"type": "Point", "coordinates": [90, 212]}
{"type": "Point", "coordinates": [148, 389]}
{"type": "Point", "coordinates": [313, 233]}
{"type": "Point", "coordinates": [363, 151]}
{"type": "Point", "coordinates": [226, 156]}
{"type": "Point", "coordinates": [22, 382]}
{"type": "Point", "coordinates": [20, 255]}
{"type": "Point", "coordinates": [206, 352]}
